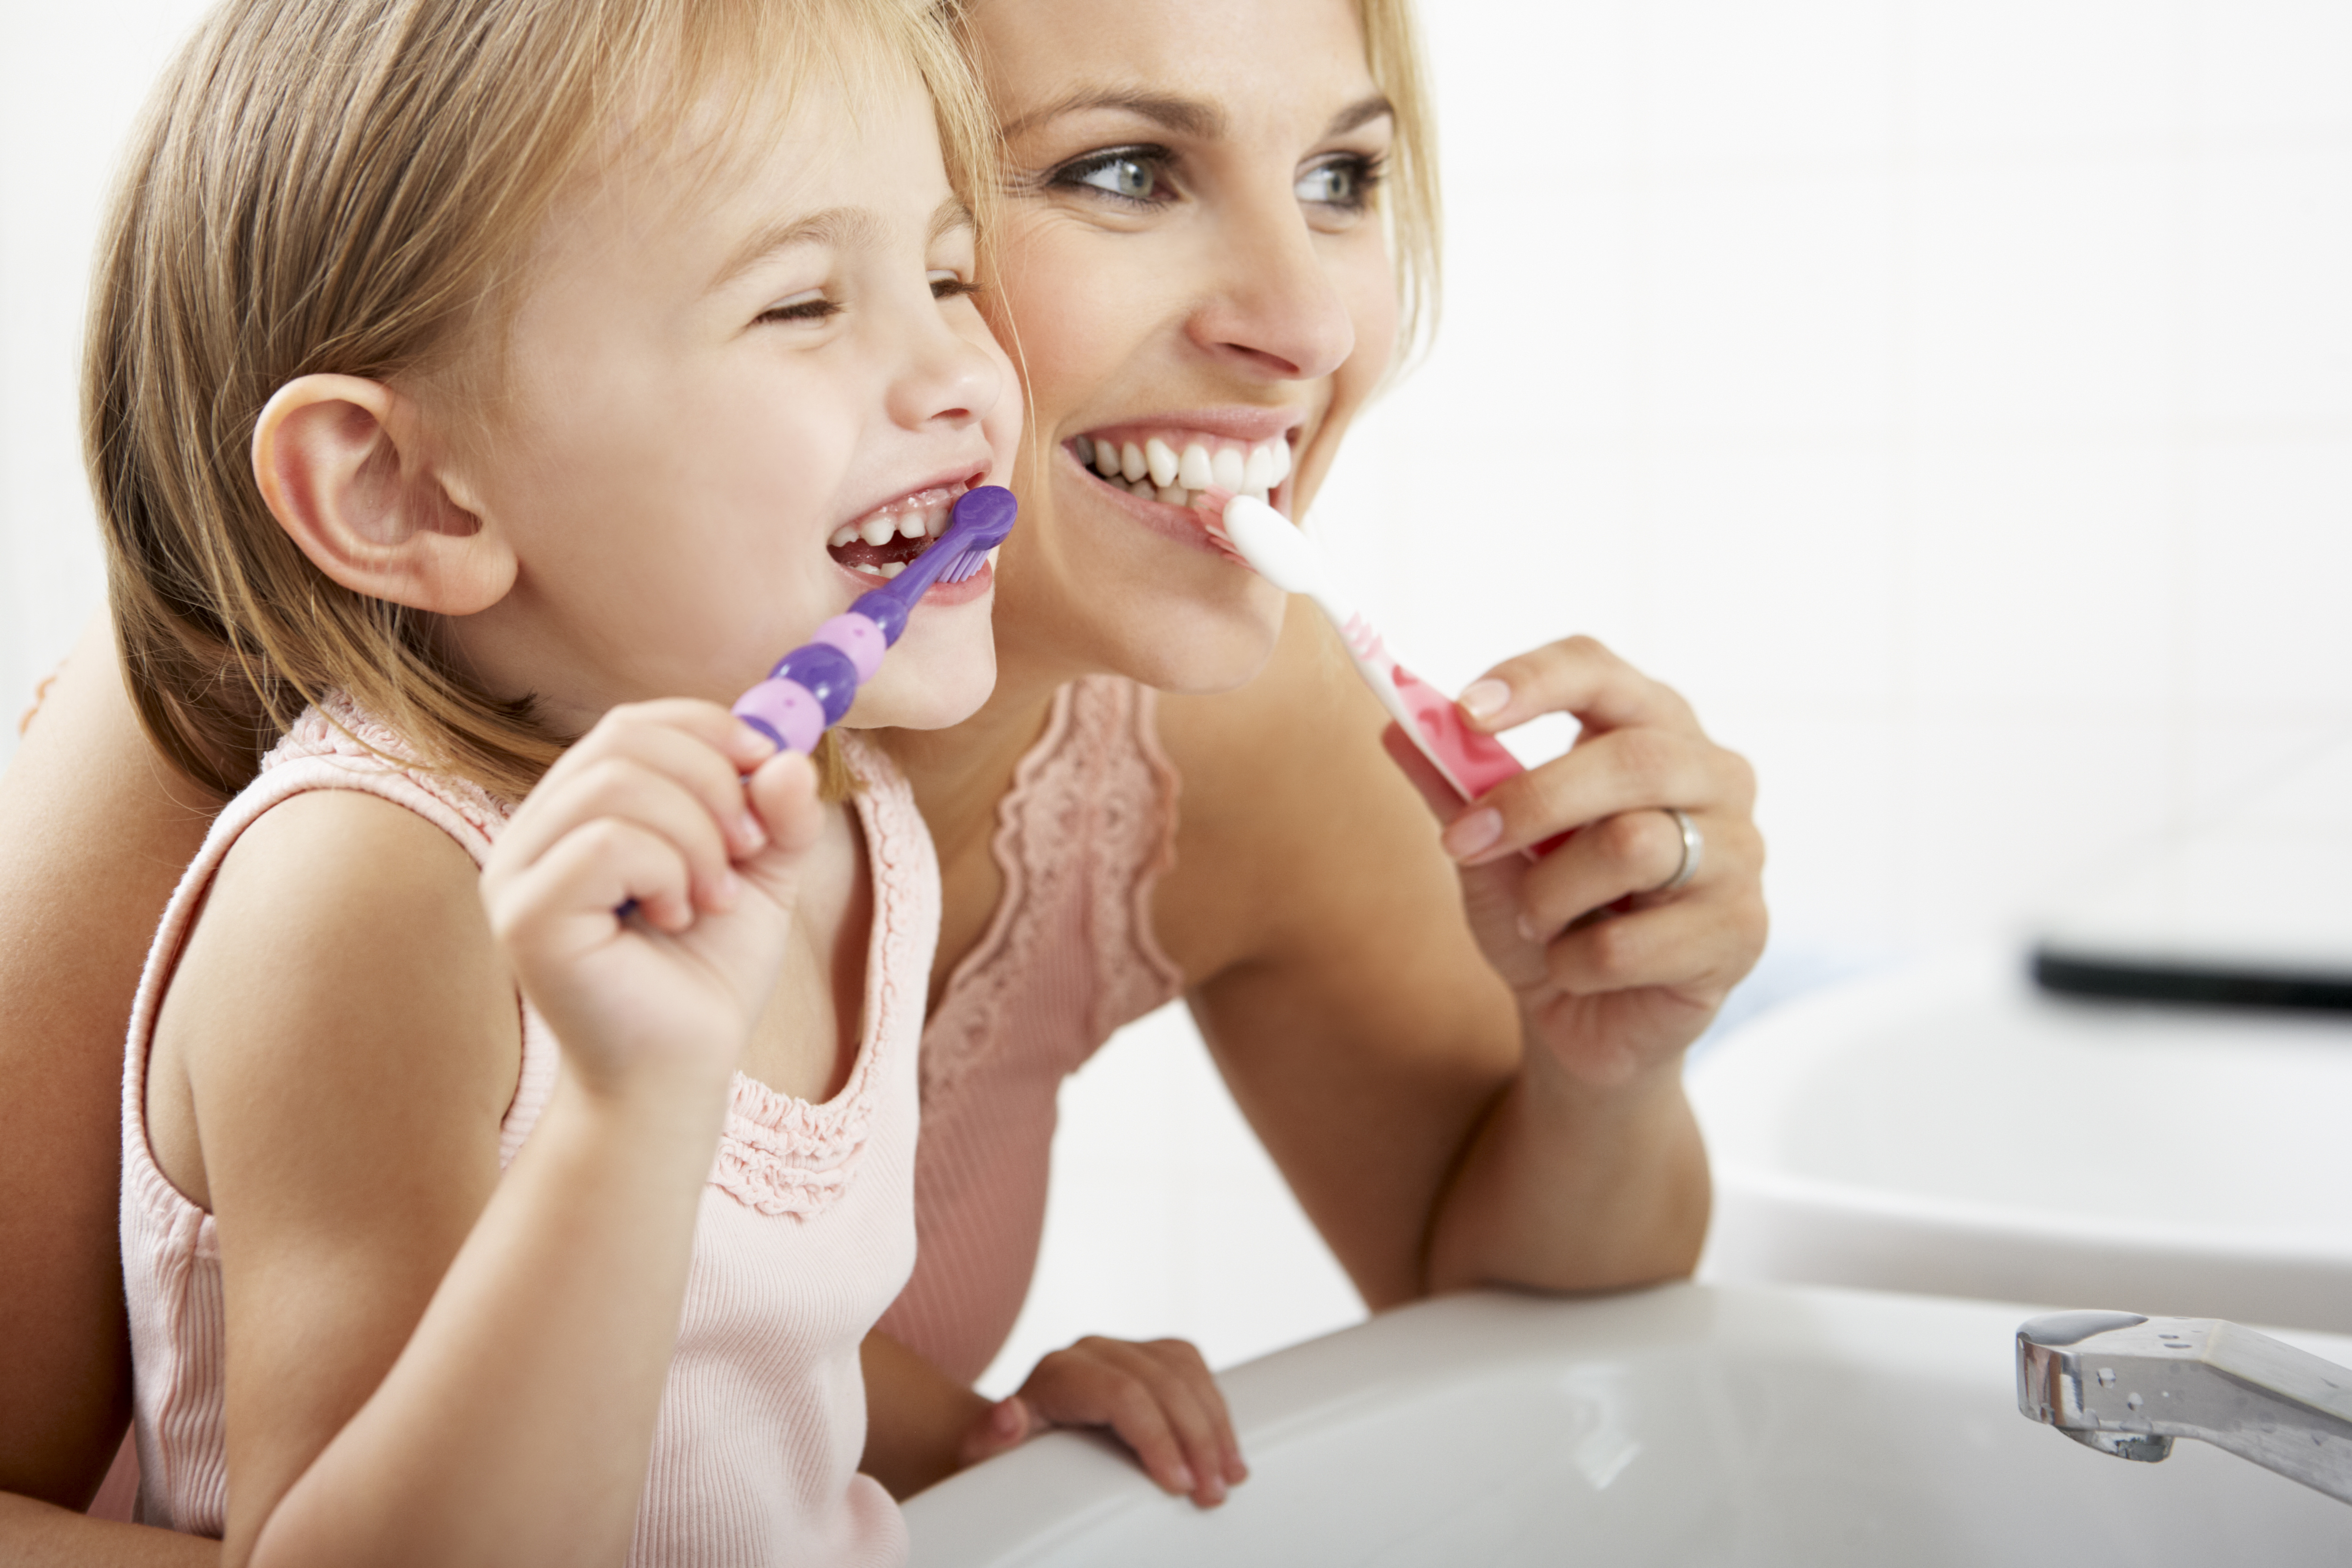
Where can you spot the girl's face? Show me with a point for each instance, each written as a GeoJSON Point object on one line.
{"type": "Point", "coordinates": [738, 385]}
{"type": "Point", "coordinates": [1190, 259]}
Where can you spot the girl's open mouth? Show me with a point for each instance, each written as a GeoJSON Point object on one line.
{"type": "Point", "coordinates": [884, 541]}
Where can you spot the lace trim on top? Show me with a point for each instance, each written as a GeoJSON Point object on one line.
{"type": "Point", "coordinates": [781, 1155]}
{"type": "Point", "coordinates": [1096, 783]}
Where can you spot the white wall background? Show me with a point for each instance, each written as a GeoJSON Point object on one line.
{"type": "Point", "coordinates": [1952, 397]}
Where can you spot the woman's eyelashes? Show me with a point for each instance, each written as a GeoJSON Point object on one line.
{"type": "Point", "coordinates": [1135, 176]}
{"type": "Point", "coordinates": [1343, 182]}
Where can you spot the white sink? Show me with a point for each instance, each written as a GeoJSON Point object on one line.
{"type": "Point", "coordinates": [1953, 1131]}
{"type": "Point", "coordinates": [1691, 1425]}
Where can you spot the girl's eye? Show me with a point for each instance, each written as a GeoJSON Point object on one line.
{"type": "Point", "coordinates": [1345, 182]}
{"type": "Point", "coordinates": [812, 306]}
{"type": "Point", "coordinates": [948, 286]}
{"type": "Point", "coordinates": [1129, 173]}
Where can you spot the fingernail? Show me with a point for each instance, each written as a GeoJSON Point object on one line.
{"type": "Point", "coordinates": [1472, 831]}
{"type": "Point", "coordinates": [1006, 1419]}
{"type": "Point", "coordinates": [1182, 1479]}
{"type": "Point", "coordinates": [1484, 699]}
{"type": "Point", "coordinates": [749, 835]}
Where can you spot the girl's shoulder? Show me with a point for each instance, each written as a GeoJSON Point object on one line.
{"type": "Point", "coordinates": [336, 966]}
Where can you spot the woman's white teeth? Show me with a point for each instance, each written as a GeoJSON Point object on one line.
{"type": "Point", "coordinates": [1193, 471]}
{"type": "Point", "coordinates": [1157, 471]}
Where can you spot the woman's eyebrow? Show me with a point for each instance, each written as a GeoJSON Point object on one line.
{"type": "Point", "coordinates": [842, 227]}
{"type": "Point", "coordinates": [1185, 116]}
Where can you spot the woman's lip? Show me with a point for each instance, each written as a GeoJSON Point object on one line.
{"type": "Point", "coordinates": [1234, 423]}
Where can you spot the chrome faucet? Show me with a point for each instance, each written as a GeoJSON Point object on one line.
{"type": "Point", "coordinates": [2128, 1385]}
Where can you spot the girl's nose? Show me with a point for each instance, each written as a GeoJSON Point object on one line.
{"type": "Point", "coordinates": [1275, 305]}
{"type": "Point", "coordinates": [948, 377]}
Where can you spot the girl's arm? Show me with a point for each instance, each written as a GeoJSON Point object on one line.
{"type": "Point", "coordinates": [95, 828]}
{"type": "Point", "coordinates": [1456, 1103]}
{"type": "Point", "coordinates": [427, 1362]}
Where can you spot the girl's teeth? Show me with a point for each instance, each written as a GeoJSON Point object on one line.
{"type": "Point", "coordinates": [910, 525]}
{"type": "Point", "coordinates": [891, 568]}
{"type": "Point", "coordinates": [1161, 460]}
{"type": "Point", "coordinates": [878, 529]}
{"type": "Point", "coordinates": [1193, 471]}
{"type": "Point", "coordinates": [936, 522]}
{"type": "Point", "coordinates": [1106, 458]}
{"type": "Point", "coordinates": [1257, 474]}
{"type": "Point", "coordinates": [842, 535]}
{"type": "Point", "coordinates": [1132, 464]}
{"type": "Point", "coordinates": [1227, 464]}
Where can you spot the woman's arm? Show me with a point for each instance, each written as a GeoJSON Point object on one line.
{"type": "Point", "coordinates": [1455, 1103]}
{"type": "Point", "coordinates": [95, 829]}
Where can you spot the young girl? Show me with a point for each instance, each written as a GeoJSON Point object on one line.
{"type": "Point", "coordinates": [466, 376]}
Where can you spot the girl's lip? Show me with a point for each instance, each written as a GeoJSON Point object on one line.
{"type": "Point", "coordinates": [942, 594]}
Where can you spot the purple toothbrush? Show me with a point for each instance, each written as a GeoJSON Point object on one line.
{"type": "Point", "coordinates": [811, 688]}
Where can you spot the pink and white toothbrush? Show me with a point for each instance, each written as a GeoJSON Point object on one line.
{"type": "Point", "coordinates": [1257, 536]}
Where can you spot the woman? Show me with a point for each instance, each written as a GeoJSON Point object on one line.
{"type": "Point", "coordinates": [1191, 251]}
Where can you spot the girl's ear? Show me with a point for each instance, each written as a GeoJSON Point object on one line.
{"type": "Point", "coordinates": [341, 467]}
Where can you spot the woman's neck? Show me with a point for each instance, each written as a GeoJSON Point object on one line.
{"type": "Point", "coordinates": [958, 774]}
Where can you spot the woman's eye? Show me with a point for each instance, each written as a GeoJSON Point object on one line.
{"type": "Point", "coordinates": [1344, 182]}
{"type": "Point", "coordinates": [1129, 173]}
{"type": "Point", "coordinates": [810, 307]}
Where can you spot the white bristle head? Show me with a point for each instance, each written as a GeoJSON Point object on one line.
{"type": "Point", "coordinates": [1273, 545]}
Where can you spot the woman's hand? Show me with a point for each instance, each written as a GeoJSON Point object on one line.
{"type": "Point", "coordinates": [1157, 1397]}
{"type": "Point", "coordinates": [651, 807]}
{"type": "Point", "coordinates": [1615, 974]}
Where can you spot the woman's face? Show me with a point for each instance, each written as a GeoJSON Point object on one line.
{"type": "Point", "coordinates": [1191, 259]}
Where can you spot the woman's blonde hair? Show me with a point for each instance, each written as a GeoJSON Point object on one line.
{"type": "Point", "coordinates": [1414, 215]}
{"type": "Point", "coordinates": [351, 186]}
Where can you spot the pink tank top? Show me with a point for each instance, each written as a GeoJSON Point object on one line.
{"type": "Point", "coordinates": [804, 1233]}
{"type": "Point", "coordinates": [1085, 831]}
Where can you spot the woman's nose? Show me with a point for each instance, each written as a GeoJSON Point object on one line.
{"type": "Point", "coordinates": [1276, 306]}
{"type": "Point", "coordinates": [948, 377]}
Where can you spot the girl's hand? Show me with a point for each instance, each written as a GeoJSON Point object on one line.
{"type": "Point", "coordinates": [651, 806]}
{"type": "Point", "coordinates": [1159, 1398]}
{"type": "Point", "coordinates": [1612, 974]}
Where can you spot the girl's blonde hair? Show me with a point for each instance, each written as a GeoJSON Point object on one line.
{"type": "Point", "coordinates": [1415, 216]}
{"type": "Point", "coordinates": [350, 186]}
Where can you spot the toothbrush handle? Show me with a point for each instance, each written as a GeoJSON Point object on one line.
{"type": "Point", "coordinates": [1471, 762]}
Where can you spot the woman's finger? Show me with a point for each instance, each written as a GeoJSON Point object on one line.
{"type": "Point", "coordinates": [1698, 945]}
{"type": "Point", "coordinates": [1632, 852]}
{"type": "Point", "coordinates": [1575, 675]}
{"type": "Point", "coordinates": [1623, 771]}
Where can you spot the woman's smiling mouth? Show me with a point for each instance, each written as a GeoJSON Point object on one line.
{"type": "Point", "coordinates": [1171, 465]}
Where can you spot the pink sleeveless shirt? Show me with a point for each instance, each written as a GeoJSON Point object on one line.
{"type": "Point", "coordinates": [804, 1233]}
{"type": "Point", "coordinates": [1085, 831]}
